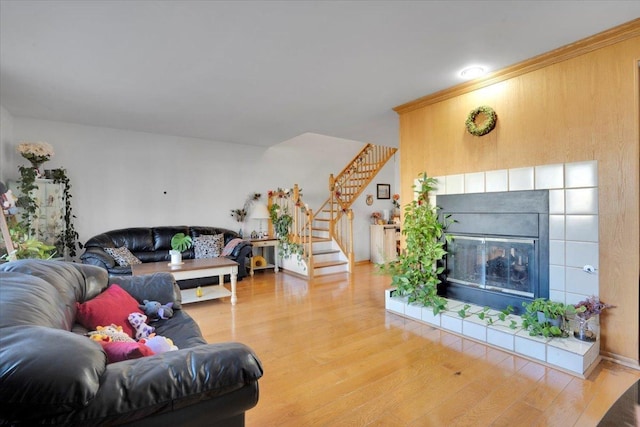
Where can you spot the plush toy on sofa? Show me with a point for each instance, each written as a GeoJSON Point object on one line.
{"type": "Point", "coordinates": [159, 344]}
{"type": "Point", "coordinates": [138, 321]}
{"type": "Point", "coordinates": [97, 336]}
{"type": "Point", "coordinates": [112, 331]}
{"type": "Point", "coordinates": [155, 310]}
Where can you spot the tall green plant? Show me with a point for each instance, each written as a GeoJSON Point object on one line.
{"type": "Point", "coordinates": [416, 272]}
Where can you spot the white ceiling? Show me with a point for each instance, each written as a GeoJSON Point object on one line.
{"type": "Point", "coordinates": [262, 72]}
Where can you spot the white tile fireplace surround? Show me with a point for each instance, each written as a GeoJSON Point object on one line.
{"type": "Point", "coordinates": [573, 218]}
{"type": "Point", "coordinates": [573, 249]}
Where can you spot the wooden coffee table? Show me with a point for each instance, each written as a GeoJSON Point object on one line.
{"type": "Point", "coordinates": [195, 269]}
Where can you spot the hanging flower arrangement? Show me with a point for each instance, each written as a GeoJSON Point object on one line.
{"type": "Point", "coordinates": [36, 152]}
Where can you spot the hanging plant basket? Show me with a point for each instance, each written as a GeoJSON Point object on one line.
{"type": "Point", "coordinates": [484, 128]}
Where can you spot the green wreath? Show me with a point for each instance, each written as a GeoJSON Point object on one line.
{"type": "Point", "coordinates": [485, 127]}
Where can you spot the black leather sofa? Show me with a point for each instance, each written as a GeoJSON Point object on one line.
{"type": "Point", "coordinates": [153, 244]}
{"type": "Point", "coordinates": [50, 373]}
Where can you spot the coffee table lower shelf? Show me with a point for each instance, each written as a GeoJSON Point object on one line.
{"type": "Point", "coordinates": [208, 293]}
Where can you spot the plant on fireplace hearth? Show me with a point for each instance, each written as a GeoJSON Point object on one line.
{"type": "Point", "coordinates": [547, 318]}
{"type": "Point", "coordinates": [416, 272]}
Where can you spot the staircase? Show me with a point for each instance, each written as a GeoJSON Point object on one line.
{"type": "Point", "coordinates": [326, 236]}
{"type": "Point", "coordinates": [332, 224]}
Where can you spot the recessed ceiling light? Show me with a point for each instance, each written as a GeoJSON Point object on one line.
{"type": "Point", "coordinates": [472, 72]}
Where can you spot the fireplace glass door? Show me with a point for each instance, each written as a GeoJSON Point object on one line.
{"type": "Point", "coordinates": [495, 264]}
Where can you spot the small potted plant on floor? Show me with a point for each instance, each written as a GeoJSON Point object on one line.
{"type": "Point", "coordinates": [180, 242]}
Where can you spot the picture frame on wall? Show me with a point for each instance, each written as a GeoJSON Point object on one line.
{"type": "Point", "coordinates": [384, 191]}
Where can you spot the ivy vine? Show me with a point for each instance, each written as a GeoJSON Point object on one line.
{"type": "Point", "coordinates": [69, 238]}
{"type": "Point", "coordinates": [26, 185]}
{"type": "Point", "coordinates": [282, 220]}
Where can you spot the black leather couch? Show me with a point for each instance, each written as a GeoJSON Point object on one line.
{"type": "Point", "coordinates": [153, 244]}
{"type": "Point", "coordinates": [50, 373]}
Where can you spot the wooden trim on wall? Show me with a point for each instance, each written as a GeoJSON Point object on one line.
{"type": "Point", "coordinates": [606, 38]}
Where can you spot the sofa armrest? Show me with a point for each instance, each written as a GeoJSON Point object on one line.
{"type": "Point", "coordinates": [97, 256]}
{"type": "Point", "coordinates": [240, 254]}
{"type": "Point", "coordinates": [170, 380]}
{"type": "Point", "coordinates": [160, 287]}
{"type": "Point", "coordinates": [241, 248]}
{"type": "Point", "coordinates": [46, 371]}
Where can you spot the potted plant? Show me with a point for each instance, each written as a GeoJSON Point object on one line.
{"type": "Point", "coordinates": [586, 310]}
{"type": "Point", "coordinates": [545, 317]}
{"type": "Point", "coordinates": [180, 242]}
{"type": "Point", "coordinates": [26, 246]}
{"type": "Point", "coordinates": [416, 272]}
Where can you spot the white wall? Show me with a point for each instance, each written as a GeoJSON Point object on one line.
{"type": "Point", "coordinates": [6, 137]}
{"type": "Point", "coordinates": [125, 179]}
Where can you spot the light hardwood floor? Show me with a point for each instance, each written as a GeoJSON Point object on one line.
{"type": "Point", "coordinates": [333, 356]}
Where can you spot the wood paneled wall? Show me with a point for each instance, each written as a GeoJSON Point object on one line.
{"type": "Point", "coordinates": [584, 107]}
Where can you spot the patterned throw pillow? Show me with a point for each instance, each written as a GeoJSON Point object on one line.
{"type": "Point", "coordinates": [208, 245]}
{"type": "Point", "coordinates": [122, 256]}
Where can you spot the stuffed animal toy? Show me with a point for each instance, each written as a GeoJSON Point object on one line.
{"type": "Point", "coordinates": [8, 201]}
{"type": "Point", "coordinates": [155, 310]}
{"type": "Point", "coordinates": [97, 336]}
{"type": "Point", "coordinates": [112, 331]}
{"type": "Point", "coordinates": [143, 330]}
{"type": "Point", "coordinates": [159, 344]}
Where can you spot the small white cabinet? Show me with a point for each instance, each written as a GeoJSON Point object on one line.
{"type": "Point", "coordinates": [385, 243]}
{"type": "Point", "coordinates": [48, 222]}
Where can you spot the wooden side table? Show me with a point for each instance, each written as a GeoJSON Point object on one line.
{"type": "Point", "coordinates": [271, 259]}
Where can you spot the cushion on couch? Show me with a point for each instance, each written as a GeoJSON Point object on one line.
{"type": "Point", "coordinates": [208, 246]}
{"type": "Point", "coordinates": [122, 256]}
{"type": "Point", "coordinates": [112, 306]}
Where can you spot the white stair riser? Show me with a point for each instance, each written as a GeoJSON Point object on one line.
{"type": "Point", "coordinates": [343, 268]}
{"type": "Point", "coordinates": [328, 257]}
{"type": "Point", "coordinates": [323, 246]}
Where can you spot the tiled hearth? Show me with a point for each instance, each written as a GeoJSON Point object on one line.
{"type": "Point", "coordinates": [568, 354]}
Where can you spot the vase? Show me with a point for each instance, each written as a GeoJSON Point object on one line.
{"type": "Point", "coordinates": [36, 167]}
{"type": "Point", "coordinates": [585, 329]}
{"type": "Point", "coordinates": [176, 257]}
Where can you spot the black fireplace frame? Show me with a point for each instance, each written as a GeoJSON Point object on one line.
{"type": "Point", "coordinates": [511, 214]}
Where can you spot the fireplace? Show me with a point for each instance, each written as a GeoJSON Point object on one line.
{"type": "Point", "coordinates": [499, 249]}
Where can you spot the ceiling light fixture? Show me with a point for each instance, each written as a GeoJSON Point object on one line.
{"type": "Point", "coordinates": [472, 72]}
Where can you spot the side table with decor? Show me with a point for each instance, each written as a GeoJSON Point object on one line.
{"type": "Point", "coordinates": [262, 257]}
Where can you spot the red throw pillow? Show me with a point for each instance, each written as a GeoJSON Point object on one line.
{"type": "Point", "coordinates": [114, 305]}
{"type": "Point", "coordinates": [119, 351]}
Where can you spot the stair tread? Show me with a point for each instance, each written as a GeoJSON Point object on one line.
{"type": "Point", "coordinates": [326, 252]}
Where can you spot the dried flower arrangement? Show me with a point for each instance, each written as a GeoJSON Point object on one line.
{"type": "Point", "coordinates": [36, 152]}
